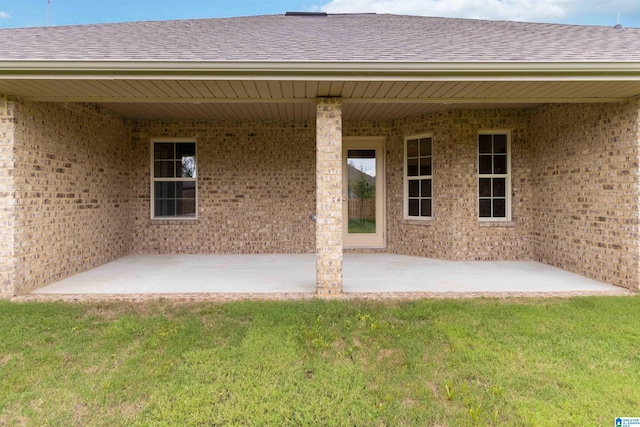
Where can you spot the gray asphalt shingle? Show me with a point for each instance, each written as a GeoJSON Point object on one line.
{"type": "Point", "coordinates": [349, 37]}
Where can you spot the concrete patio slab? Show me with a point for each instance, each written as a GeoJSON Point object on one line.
{"type": "Point", "coordinates": [398, 273]}
{"type": "Point", "coordinates": [172, 274]}
{"type": "Point", "coordinates": [288, 274]}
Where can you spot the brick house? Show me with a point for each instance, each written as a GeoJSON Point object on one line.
{"type": "Point", "coordinates": [488, 141]}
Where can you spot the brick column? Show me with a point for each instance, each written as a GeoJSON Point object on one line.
{"type": "Point", "coordinates": [328, 197]}
{"type": "Point", "coordinates": [7, 199]}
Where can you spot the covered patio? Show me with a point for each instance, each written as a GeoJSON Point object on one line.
{"type": "Point", "coordinates": [222, 169]}
{"type": "Point", "coordinates": [266, 276]}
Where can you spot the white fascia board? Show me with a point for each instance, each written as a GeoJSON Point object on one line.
{"type": "Point", "coordinates": [264, 70]}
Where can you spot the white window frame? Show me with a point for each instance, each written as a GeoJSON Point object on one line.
{"type": "Point", "coordinates": [152, 197]}
{"type": "Point", "coordinates": [406, 178]}
{"type": "Point", "coordinates": [506, 176]}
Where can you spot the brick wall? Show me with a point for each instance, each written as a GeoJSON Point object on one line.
{"type": "Point", "coordinates": [72, 186]}
{"type": "Point", "coordinates": [7, 199]}
{"type": "Point", "coordinates": [82, 189]}
{"type": "Point", "coordinates": [256, 188]}
{"type": "Point", "coordinates": [585, 215]}
{"type": "Point", "coordinates": [238, 216]}
{"type": "Point", "coordinates": [454, 232]}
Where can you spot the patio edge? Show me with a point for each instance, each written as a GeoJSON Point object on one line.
{"type": "Point", "coordinates": [306, 296]}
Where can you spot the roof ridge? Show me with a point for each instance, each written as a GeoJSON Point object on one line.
{"type": "Point", "coordinates": [312, 14]}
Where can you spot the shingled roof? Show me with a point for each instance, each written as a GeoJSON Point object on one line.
{"type": "Point", "coordinates": [341, 38]}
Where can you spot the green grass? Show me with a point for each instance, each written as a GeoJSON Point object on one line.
{"type": "Point", "coordinates": [357, 226]}
{"type": "Point", "coordinates": [529, 362]}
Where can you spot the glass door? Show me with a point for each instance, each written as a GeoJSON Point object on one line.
{"type": "Point", "coordinates": [363, 193]}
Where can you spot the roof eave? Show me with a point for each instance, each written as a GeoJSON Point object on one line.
{"type": "Point", "coordinates": [320, 70]}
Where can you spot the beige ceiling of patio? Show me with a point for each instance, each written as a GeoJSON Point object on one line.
{"type": "Point", "coordinates": [294, 99]}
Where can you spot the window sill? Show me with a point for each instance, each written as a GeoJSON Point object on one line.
{"type": "Point", "coordinates": [173, 221]}
{"type": "Point", "coordinates": [497, 223]}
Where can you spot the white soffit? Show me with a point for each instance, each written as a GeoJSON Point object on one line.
{"type": "Point", "coordinates": [369, 91]}
{"type": "Point", "coordinates": [248, 91]}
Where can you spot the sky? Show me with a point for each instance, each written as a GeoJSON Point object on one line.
{"type": "Point", "coordinates": [30, 13]}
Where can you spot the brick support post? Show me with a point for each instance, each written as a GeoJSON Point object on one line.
{"type": "Point", "coordinates": [636, 132]}
{"type": "Point", "coordinates": [7, 199]}
{"type": "Point", "coordinates": [329, 197]}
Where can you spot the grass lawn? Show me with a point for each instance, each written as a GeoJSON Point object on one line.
{"type": "Point", "coordinates": [527, 362]}
{"type": "Point", "coordinates": [361, 226]}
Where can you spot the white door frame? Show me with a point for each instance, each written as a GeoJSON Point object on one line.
{"type": "Point", "coordinates": [365, 240]}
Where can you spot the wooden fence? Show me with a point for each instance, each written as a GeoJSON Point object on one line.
{"type": "Point", "coordinates": [362, 209]}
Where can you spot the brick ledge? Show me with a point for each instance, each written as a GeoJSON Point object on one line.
{"type": "Point", "coordinates": [293, 296]}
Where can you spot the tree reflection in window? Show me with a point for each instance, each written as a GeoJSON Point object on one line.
{"type": "Point", "coordinates": [174, 188]}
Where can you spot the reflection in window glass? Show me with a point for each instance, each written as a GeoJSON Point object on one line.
{"type": "Point", "coordinates": [499, 187]}
{"type": "Point", "coordinates": [485, 187]}
{"type": "Point", "coordinates": [174, 180]}
{"type": "Point", "coordinates": [412, 167]}
{"type": "Point", "coordinates": [425, 186]}
{"type": "Point", "coordinates": [500, 144]}
{"type": "Point", "coordinates": [412, 148]}
{"type": "Point", "coordinates": [163, 150]}
{"type": "Point", "coordinates": [418, 177]}
{"type": "Point", "coordinates": [414, 207]}
{"type": "Point", "coordinates": [425, 166]}
{"type": "Point", "coordinates": [361, 191]}
{"type": "Point", "coordinates": [485, 208]}
{"type": "Point", "coordinates": [499, 164]}
{"type": "Point", "coordinates": [485, 144]}
{"type": "Point", "coordinates": [414, 188]}
{"type": "Point", "coordinates": [485, 164]}
{"type": "Point", "coordinates": [186, 167]}
{"type": "Point", "coordinates": [493, 175]}
{"type": "Point", "coordinates": [163, 169]}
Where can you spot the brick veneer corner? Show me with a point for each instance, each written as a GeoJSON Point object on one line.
{"type": "Point", "coordinates": [72, 188]}
{"type": "Point", "coordinates": [586, 204]}
{"type": "Point", "coordinates": [7, 198]}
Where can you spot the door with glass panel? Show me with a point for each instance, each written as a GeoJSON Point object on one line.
{"type": "Point", "coordinates": [363, 193]}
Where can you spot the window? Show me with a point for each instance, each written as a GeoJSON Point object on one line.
{"type": "Point", "coordinates": [494, 176]}
{"type": "Point", "coordinates": [173, 179]}
{"type": "Point", "coordinates": [418, 178]}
